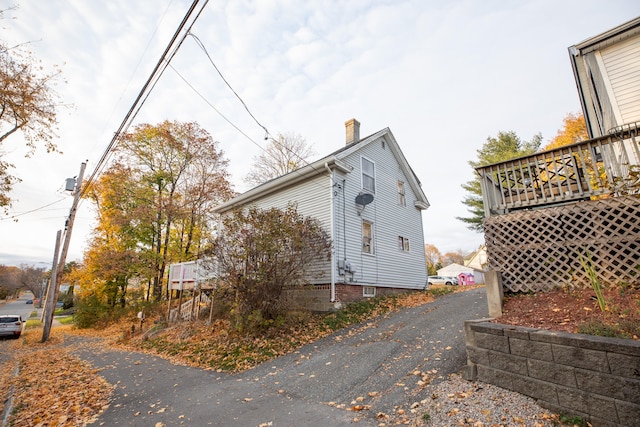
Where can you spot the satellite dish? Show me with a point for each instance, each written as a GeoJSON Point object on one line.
{"type": "Point", "coordinates": [364, 199]}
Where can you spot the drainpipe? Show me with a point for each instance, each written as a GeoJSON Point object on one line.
{"type": "Point", "coordinates": [331, 225]}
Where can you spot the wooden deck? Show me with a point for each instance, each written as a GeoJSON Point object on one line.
{"type": "Point", "coordinates": [588, 170]}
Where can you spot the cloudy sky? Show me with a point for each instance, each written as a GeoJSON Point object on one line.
{"type": "Point", "coordinates": [442, 75]}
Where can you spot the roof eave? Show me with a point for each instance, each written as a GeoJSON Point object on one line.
{"type": "Point", "coordinates": [313, 169]}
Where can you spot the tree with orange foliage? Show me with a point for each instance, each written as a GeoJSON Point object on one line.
{"type": "Point", "coordinates": [433, 257]}
{"type": "Point", "coordinates": [28, 107]}
{"type": "Point", "coordinates": [574, 130]}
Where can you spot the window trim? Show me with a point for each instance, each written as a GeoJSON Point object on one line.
{"type": "Point", "coordinates": [371, 293]}
{"type": "Point", "coordinates": [371, 238]}
{"type": "Point", "coordinates": [362, 174]}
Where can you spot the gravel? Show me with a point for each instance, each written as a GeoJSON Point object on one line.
{"type": "Point", "coordinates": [458, 402]}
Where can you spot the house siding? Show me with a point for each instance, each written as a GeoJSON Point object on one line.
{"type": "Point", "coordinates": [312, 198]}
{"type": "Point", "coordinates": [388, 266]}
{"type": "Point", "coordinates": [622, 63]}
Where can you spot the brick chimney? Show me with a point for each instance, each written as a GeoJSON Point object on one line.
{"type": "Point", "coordinates": [353, 130]}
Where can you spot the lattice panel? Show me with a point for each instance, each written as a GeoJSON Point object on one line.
{"type": "Point", "coordinates": [539, 249]}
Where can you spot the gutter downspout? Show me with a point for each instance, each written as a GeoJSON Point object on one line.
{"type": "Point", "coordinates": [331, 226]}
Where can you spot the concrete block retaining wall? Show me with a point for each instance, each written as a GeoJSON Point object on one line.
{"type": "Point", "coordinates": [596, 378]}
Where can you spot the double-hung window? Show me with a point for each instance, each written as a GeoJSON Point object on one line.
{"type": "Point", "coordinates": [368, 175]}
{"type": "Point", "coordinates": [402, 200]}
{"type": "Point", "coordinates": [403, 243]}
{"type": "Point", "coordinates": [367, 237]}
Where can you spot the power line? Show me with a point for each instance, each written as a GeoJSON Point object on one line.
{"type": "Point", "coordinates": [14, 216]}
{"type": "Point", "coordinates": [168, 54]}
{"type": "Point", "coordinates": [204, 49]}
{"type": "Point", "coordinates": [267, 134]}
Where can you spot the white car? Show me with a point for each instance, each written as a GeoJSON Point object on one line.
{"type": "Point", "coordinates": [442, 280]}
{"type": "Point", "coordinates": [11, 325]}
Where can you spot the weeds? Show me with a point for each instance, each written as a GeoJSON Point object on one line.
{"type": "Point", "coordinates": [590, 268]}
{"type": "Point", "coordinates": [597, 327]}
{"type": "Point", "coordinates": [573, 421]}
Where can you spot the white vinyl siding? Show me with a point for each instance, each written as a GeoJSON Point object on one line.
{"type": "Point", "coordinates": [312, 198]}
{"type": "Point", "coordinates": [390, 267]}
{"type": "Point", "coordinates": [622, 64]}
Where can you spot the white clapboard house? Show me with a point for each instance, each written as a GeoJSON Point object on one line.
{"type": "Point", "coordinates": [370, 202]}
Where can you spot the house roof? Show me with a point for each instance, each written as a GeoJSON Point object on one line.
{"type": "Point", "coordinates": [455, 267]}
{"type": "Point", "coordinates": [331, 161]}
{"type": "Point", "coordinates": [607, 38]}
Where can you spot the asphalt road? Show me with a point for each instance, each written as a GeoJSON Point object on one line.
{"type": "Point", "coordinates": [18, 306]}
{"type": "Point", "coordinates": [377, 365]}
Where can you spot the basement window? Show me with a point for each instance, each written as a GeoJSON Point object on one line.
{"type": "Point", "coordinates": [369, 291]}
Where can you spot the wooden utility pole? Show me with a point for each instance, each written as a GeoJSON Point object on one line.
{"type": "Point", "coordinates": [49, 303]}
{"type": "Point", "coordinates": [56, 277]}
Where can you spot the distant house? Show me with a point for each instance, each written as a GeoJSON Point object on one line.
{"type": "Point", "coordinates": [478, 259]}
{"type": "Point", "coordinates": [370, 202]}
{"type": "Point", "coordinates": [454, 270]}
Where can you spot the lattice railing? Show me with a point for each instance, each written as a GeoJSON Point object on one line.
{"type": "Point", "coordinates": [538, 249]}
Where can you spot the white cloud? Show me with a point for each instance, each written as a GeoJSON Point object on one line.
{"type": "Point", "coordinates": [443, 75]}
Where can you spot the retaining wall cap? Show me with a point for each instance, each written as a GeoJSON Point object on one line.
{"type": "Point", "coordinates": [519, 332]}
{"type": "Point", "coordinates": [556, 337]}
{"type": "Point", "coordinates": [488, 328]}
{"type": "Point", "coordinates": [614, 345]}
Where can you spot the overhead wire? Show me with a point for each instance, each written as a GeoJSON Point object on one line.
{"type": "Point", "coordinates": [137, 66]}
{"type": "Point", "coordinates": [267, 133]}
{"type": "Point", "coordinates": [12, 217]}
{"type": "Point", "coordinates": [168, 54]}
{"type": "Point", "coordinates": [204, 49]}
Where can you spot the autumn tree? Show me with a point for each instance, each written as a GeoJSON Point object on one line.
{"type": "Point", "coordinates": [154, 207]}
{"type": "Point", "coordinates": [455, 257]}
{"type": "Point", "coordinates": [282, 155]}
{"type": "Point", "coordinates": [32, 278]}
{"type": "Point", "coordinates": [434, 259]}
{"type": "Point", "coordinates": [9, 284]}
{"type": "Point", "coordinates": [262, 252]}
{"type": "Point", "coordinates": [574, 129]}
{"type": "Point", "coordinates": [28, 106]}
{"type": "Point", "coordinates": [507, 145]}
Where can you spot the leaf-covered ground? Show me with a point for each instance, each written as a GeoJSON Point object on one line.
{"type": "Point", "coordinates": [218, 346]}
{"type": "Point", "coordinates": [577, 311]}
{"type": "Point", "coordinates": [52, 387]}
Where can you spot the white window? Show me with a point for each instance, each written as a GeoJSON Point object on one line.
{"type": "Point", "coordinates": [367, 237]}
{"type": "Point", "coordinates": [402, 201]}
{"type": "Point", "coordinates": [368, 175]}
{"type": "Point", "coordinates": [369, 291]}
{"type": "Point", "coordinates": [403, 244]}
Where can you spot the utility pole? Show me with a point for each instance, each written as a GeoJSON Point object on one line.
{"type": "Point", "coordinates": [49, 303]}
{"type": "Point", "coordinates": [55, 284]}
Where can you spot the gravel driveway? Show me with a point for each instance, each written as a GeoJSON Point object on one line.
{"type": "Point", "coordinates": [377, 368]}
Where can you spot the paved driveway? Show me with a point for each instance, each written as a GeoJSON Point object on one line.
{"type": "Point", "coordinates": [377, 365]}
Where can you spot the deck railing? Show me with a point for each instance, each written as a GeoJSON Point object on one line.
{"type": "Point", "coordinates": [600, 167]}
